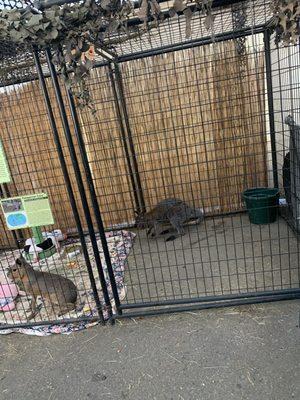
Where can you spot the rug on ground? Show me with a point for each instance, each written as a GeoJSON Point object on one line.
{"type": "Point", "coordinates": [119, 244]}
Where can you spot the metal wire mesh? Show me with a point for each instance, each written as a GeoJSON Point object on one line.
{"type": "Point", "coordinates": [194, 119]}
{"type": "Point", "coordinates": [179, 117]}
{"type": "Point", "coordinates": [17, 64]}
{"type": "Point", "coordinates": [173, 30]}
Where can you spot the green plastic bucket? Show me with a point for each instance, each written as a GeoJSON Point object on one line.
{"type": "Point", "coordinates": [262, 204]}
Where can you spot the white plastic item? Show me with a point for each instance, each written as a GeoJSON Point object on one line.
{"type": "Point", "coordinates": [282, 202]}
{"type": "Point", "coordinates": [57, 233]}
{"type": "Point", "coordinates": [73, 254]}
{"type": "Point", "coordinates": [47, 235]}
{"type": "Point", "coordinates": [33, 249]}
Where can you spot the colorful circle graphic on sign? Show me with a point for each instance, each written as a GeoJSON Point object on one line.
{"type": "Point", "coordinates": [15, 220]}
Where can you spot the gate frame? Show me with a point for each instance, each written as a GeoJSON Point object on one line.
{"type": "Point", "coordinates": [217, 301]}
{"type": "Point", "coordinates": [141, 308]}
{"type": "Point", "coordinates": [170, 306]}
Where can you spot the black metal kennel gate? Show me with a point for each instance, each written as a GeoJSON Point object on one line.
{"type": "Point", "coordinates": [165, 302]}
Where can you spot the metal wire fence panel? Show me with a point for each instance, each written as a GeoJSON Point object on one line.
{"type": "Point", "coordinates": [29, 146]}
{"type": "Point", "coordinates": [198, 125]}
{"type": "Point", "coordinates": [198, 129]}
{"type": "Point", "coordinates": [190, 164]}
{"type": "Point", "coordinates": [59, 276]}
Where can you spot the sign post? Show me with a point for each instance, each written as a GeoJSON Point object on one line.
{"type": "Point", "coordinates": [31, 211]}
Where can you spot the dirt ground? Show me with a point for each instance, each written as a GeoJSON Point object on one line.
{"type": "Point", "coordinates": [247, 353]}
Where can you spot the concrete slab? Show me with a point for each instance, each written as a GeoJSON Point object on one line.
{"type": "Point", "coordinates": [247, 353]}
{"type": "Point", "coordinates": [221, 256]}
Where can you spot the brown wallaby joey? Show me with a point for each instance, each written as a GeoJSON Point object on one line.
{"type": "Point", "coordinates": [57, 290]}
{"type": "Point", "coordinates": [173, 211]}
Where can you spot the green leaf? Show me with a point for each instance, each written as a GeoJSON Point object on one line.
{"type": "Point", "coordinates": [209, 21]}
{"type": "Point", "coordinates": [188, 22]}
{"type": "Point", "coordinates": [105, 4]}
{"type": "Point", "coordinates": [68, 83]}
{"type": "Point", "coordinates": [34, 20]}
{"type": "Point", "coordinates": [68, 57]}
{"type": "Point", "coordinates": [14, 15]}
{"type": "Point", "coordinates": [179, 6]}
{"type": "Point", "coordinates": [52, 34]}
{"type": "Point", "coordinates": [143, 11]}
{"type": "Point", "coordinates": [155, 8]}
{"type": "Point", "coordinates": [76, 55]}
{"type": "Point", "coordinates": [15, 35]}
{"type": "Point", "coordinates": [50, 14]}
{"type": "Point", "coordinates": [113, 26]}
{"type": "Point", "coordinates": [45, 25]}
{"type": "Point", "coordinates": [89, 64]}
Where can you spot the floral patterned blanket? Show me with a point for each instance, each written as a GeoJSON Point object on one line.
{"type": "Point", "coordinates": [119, 243]}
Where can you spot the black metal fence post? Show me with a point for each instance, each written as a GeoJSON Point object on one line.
{"type": "Point", "coordinates": [79, 180]}
{"type": "Point", "coordinates": [267, 37]}
{"type": "Point", "coordinates": [125, 144]}
{"type": "Point", "coordinates": [94, 200]}
{"type": "Point", "coordinates": [118, 91]}
{"type": "Point", "coordinates": [67, 181]}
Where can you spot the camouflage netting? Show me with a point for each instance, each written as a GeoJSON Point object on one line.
{"type": "Point", "coordinates": [17, 64]}
{"type": "Point", "coordinates": [15, 60]}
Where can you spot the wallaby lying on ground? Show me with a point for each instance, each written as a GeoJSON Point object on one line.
{"type": "Point", "coordinates": [60, 292]}
{"type": "Point", "coordinates": [173, 211]}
